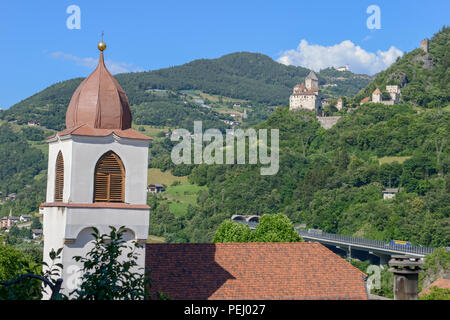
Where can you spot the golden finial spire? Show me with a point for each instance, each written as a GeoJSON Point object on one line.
{"type": "Point", "coordinates": [101, 45]}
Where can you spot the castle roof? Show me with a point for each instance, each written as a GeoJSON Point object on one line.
{"type": "Point", "coordinates": [99, 102]}
{"type": "Point", "coordinates": [377, 91]}
{"type": "Point", "coordinates": [312, 75]}
{"type": "Point", "coordinates": [300, 89]}
{"type": "Point", "coordinates": [256, 271]}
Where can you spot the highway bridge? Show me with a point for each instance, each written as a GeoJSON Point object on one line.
{"type": "Point", "coordinates": [381, 249]}
{"type": "Point", "coordinates": [352, 246]}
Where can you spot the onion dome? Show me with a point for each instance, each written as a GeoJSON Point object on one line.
{"type": "Point", "coordinates": [99, 101]}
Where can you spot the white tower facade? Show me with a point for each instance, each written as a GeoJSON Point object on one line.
{"type": "Point", "coordinates": [97, 175]}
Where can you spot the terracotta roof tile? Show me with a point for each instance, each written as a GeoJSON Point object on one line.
{"type": "Point", "coordinates": [252, 271]}
{"type": "Point", "coordinates": [85, 130]}
{"type": "Point", "coordinates": [440, 283]}
{"type": "Point", "coordinates": [366, 99]}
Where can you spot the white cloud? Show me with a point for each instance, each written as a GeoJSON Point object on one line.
{"type": "Point", "coordinates": [318, 57]}
{"type": "Point", "coordinates": [113, 66]}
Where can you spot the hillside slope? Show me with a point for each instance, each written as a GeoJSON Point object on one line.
{"type": "Point", "coordinates": [424, 78]}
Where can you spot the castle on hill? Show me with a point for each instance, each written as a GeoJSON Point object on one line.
{"type": "Point", "coordinates": [306, 96]}
{"type": "Point", "coordinates": [377, 96]}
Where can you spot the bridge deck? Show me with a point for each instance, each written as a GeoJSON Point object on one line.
{"type": "Point", "coordinates": [361, 243]}
{"type": "Point", "coordinates": [367, 244]}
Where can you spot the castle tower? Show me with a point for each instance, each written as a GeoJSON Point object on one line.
{"type": "Point", "coordinates": [376, 95]}
{"type": "Point", "coordinates": [424, 45]}
{"type": "Point", "coordinates": [97, 174]}
{"type": "Point", "coordinates": [311, 81]}
{"type": "Point", "coordinates": [340, 104]}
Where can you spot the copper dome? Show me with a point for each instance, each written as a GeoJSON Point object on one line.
{"type": "Point", "coordinates": [99, 102]}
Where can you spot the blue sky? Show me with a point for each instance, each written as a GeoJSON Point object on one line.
{"type": "Point", "coordinates": [37, 49]}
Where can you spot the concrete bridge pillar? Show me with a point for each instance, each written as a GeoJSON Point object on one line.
{"type": "Point", "coordinates": [384, 258]}
{"type": "Point", "coordinates": [348, 250]}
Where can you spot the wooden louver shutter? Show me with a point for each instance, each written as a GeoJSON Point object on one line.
{"type": "Point", "coordinates": [109, 179]}
{"type": "Point", "coordinates": [59, 178]}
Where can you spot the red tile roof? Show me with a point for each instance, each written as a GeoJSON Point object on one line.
{"type": "Point", "coordinates": [259, 271]}
{"type": "Point", "coordinates": [366, 99]}
{"type": "Point", "coordinates": [300, 89]}
{"type": "Point", "coordinates": [440, 283]}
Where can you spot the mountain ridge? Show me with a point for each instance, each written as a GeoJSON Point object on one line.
{"type": "Point", "coordinates": [242, 75]}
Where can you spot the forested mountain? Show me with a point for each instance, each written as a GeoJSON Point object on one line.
{"type": "Point", "coordinates": [20, 165]}
{"type": "Point", "coordinates": [249, 76]}
{"type": "Point", "coordinates": [333, 179]}
{"type": "Point", "coordinates": [424, 78]}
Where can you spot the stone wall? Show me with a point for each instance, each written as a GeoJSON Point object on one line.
{"type": "Point", "coordinates": [328, 122]}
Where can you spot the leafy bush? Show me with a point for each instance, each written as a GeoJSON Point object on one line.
{"type": "Point", "coordinates": [271, 228]}
{"type": "Point", "coordinates": [104, 276]}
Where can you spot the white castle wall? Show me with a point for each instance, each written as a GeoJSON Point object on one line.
{"type": "Point", "coordinates": [302, 102]}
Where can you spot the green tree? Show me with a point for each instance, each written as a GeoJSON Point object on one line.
{"type": "Point", "coordinates": [104, 276]}
{"type": "Point", "coordinates": [271, 228]}
{"type": "Point", "coordinates": [436, 294]}
{"type": "Point", "coordinates": [275, 228]}
{"type": "Point", "coordinates": [14, 263]}
{"type": "Point", "coordinates": [230, 231]}
{"type": "Point", "coordinates": [36, 223]}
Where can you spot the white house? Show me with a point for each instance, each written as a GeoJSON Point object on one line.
{"type": "Point", "coordinates": [97, 174]}
{"type": "Point", "coordinates": [389, 193]}
{"type": "Point", "coordinates": [25, 217]}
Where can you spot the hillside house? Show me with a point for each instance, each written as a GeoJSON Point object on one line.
{"type": "Point", "coordinates": [36, 233]}
{"type": "Point", "coordinates": [156, 188]}
{"type": "Point", "coordinates": [11, 196]}
{"type": "Point", "coordinates": [389, 193]}
{"type": "Point", "coordinates": [33, 123]}
{"type": "Point", "coordinates": [344, 68]}
{"type": "Point", "coordinates": [25, 217]}
{"type": "Point", "coordinates": [8, 222]}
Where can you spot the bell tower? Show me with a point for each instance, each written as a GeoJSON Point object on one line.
{"type": "Point", "coordinates": [97, 173]}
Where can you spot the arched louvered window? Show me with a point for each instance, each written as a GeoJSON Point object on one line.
{"type": "Point", "coordinates": [59, 177]}
{"type": "Point", "coordinates": [109, 179]}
